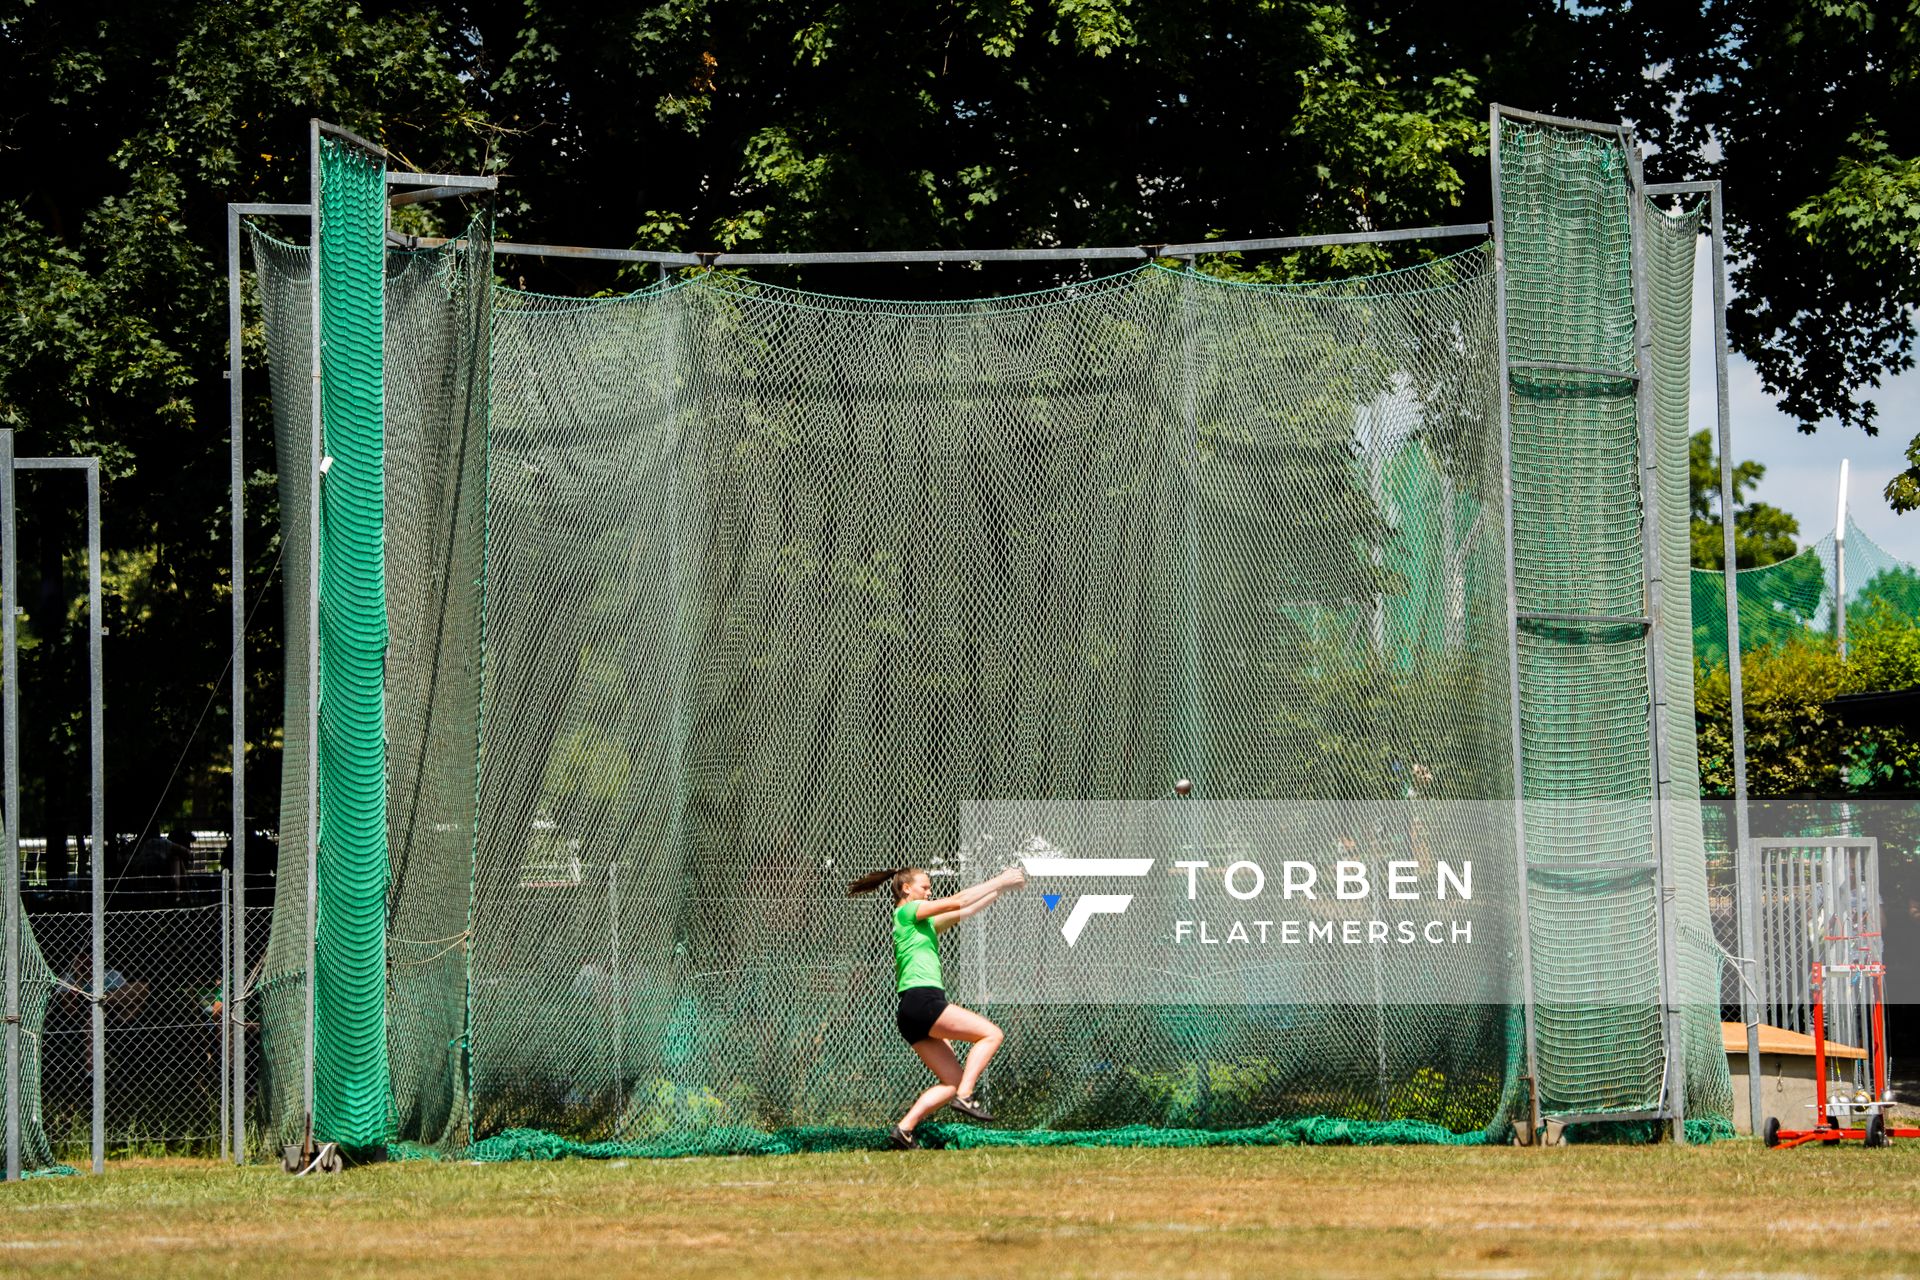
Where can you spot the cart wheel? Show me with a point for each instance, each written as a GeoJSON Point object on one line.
{"type": "Point", "coordinates": [331, 1160]}
{"type": "Point", "coordinates": [1877, 1131]}
{"type": "Point", "coordinates": [290, 1158]}
{"type": "Point", "coordinates": [1770, 1132]}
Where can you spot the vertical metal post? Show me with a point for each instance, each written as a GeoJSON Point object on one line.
{"type": "Point", "coordinates": [1193, 734]}
{"type": "Point", "coordinates": [314, 454]}
{"type": "Point", "coordinates": [1674, 1073]}
{"type": "Point", "coordinates": [233, 1009]}
{"type": "Point", "coordinates": [1746, 873]}
{"type": "Point", "coordinates": [1513, 624]}
{"type": "Point", "coordinates": [1190, 428]}
{"type": "Point", "coordinates": [97, 768]}
{"type": "Point", "coordinates": [226, 994]}
{"type": "Point", "coordinates": [1840, 564]}
{"type": "Point", "coordinates": [10, 796]}
{"type": "Point", "coordinates": [619, 983]}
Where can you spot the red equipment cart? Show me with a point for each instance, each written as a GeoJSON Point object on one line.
{"type": "Point", "coordinates": [1831, 1117]}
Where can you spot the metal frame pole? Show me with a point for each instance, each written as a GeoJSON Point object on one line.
{"type": "Point", "coordinates": [314, 454]}
{"type": "Point", "coordinates": [1673, 1074]}
{"type": "Point", "coordinates": [619, 982]}
{"type": "Point", "coordinates": [97, 776]}
{"type": "Point", "coordinates": [226, 990]}
{"type": "Point", "coordinates": [234, 1012]}
{"type": "Point", "coordinates": [97, 766]}
{"type": "Point", "coordinates": [234, 1046]}
{"type": "Point", "coordinates": [900, 257]}
{"type": "Point", "coordinates": [1513, 624]}
{"type": "Point", "coordinates": [1746, 874]}
{"type": "Point", "coordinates": [10, 796]}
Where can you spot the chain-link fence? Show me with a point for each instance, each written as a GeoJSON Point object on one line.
{"type": "Point", "coordinates": [163, 995]}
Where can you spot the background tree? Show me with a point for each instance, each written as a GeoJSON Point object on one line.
{"type": "Point", "coordinates": [859, 124]}
{"type": "Point", "coordinates": [1762, 533]}
{"type": "Point", "coordinates": [128, 129]}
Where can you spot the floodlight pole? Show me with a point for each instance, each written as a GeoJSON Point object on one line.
{"type": "Point", "coordinates": [1513, 627]}
{"type": "Point", "coordinates": [1673, 1072]}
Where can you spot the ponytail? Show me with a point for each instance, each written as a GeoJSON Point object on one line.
{"type": "Point", "coordinates": [895, 878]}
{"type": "Point", "coordinates": [871, 881]}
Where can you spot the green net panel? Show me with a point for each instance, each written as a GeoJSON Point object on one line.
{"type": "Point", "coordinates": [278, 984]}
{"type": "Point", "coordinates": [1583, 688]}
{"type": "Point", "coordinates": [350, 1017]}
{"type": "Point", "coordinates": [702, 600]}
{"type": "Point", "coordinates": [1672, 239]}
{"type": "Point", "coordinates": [1592, 825]}
{"type": "Point", "coordinates": [777, 582]}
{"type": "Point", "coordinates": [438, 311]}
{"type": "Point", "coordinates": [36, 984]}
{"type": "Point", "coordinates": [1792, 599]}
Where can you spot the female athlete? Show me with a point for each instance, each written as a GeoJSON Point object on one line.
{"type": "Point", "coordinates": [926, 1020]}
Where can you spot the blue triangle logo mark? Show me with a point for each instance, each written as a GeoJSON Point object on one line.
{"type": "Point", "coordinates": [1051, 899]}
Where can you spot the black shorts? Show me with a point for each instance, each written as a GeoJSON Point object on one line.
{"type": "Point", "coordinates": [920, 1008]}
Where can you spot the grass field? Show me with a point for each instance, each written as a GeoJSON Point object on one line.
{"type": "Point", "coordinates": [1495, 1213]}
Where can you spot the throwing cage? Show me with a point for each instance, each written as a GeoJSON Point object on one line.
{"type": "Point", "coordinates": [622, 632]}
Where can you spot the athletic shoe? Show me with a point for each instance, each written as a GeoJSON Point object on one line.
{"type": "Point", "coordinates": [973, 1109]}
{"type": "Point", "coordinates": [903, 1139]}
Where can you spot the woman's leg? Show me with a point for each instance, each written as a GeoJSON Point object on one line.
{"type": "Point", "coordinates": [946, 1068]}
{"type": "Point", "coordinates": [955, 1023]}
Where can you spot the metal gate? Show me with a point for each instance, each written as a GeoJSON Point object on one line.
{"type": "Point", "coordinates": [1812, 892]}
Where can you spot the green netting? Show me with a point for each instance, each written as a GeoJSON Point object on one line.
{"type": "Point", "coordinates": [1583, 688]}
{"type": "Point", "coordinates": [351, 1090]}
{"type": "Point", "coordinates": [1587, 758]}
{"type": "Point", "coordinates": [539, 1144]}
{"type": "Point", "coordinates": [1792, 599]}
{"type": "Point", "coordinates": [834, 568]}
{"type": "Point", "coordinates": [1671, 242]}
{"type": "Point", "coordinates": [439, 309]}
{"type": "Point", "coordinates": [278, 989]}
{"type": "Point", "coordinates": [36, 989]}
{"type": "Point", "coordinates": [766, 585]}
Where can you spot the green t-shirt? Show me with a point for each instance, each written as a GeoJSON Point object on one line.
{"type": "Point", "coordinates": [916, 949]}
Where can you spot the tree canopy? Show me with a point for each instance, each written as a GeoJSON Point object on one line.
{"type": "Point", "coordinates": [844, 125]}
{"type": "Point", "coordinates": [1762, 533]}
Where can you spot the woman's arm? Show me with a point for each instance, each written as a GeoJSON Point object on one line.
{"type": "Point", "coordinates": [947, 919]}
{"type": "Point", "coordinates": [1011, 878]}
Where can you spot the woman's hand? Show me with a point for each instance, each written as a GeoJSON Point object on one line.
{"type": "Point", "coordinates": [1013, 877]}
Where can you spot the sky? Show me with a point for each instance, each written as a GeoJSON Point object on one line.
{"type": "Point", "coordinates": [1803, 471]}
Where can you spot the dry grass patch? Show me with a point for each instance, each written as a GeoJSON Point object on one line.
{"type": "Point", "coordinates": [1491, 1213]}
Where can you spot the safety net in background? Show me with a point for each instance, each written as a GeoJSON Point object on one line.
{"type": "Point", "coordinates": [1792, 599]}
{"type": "Point", "coordinates": [767, 585]}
